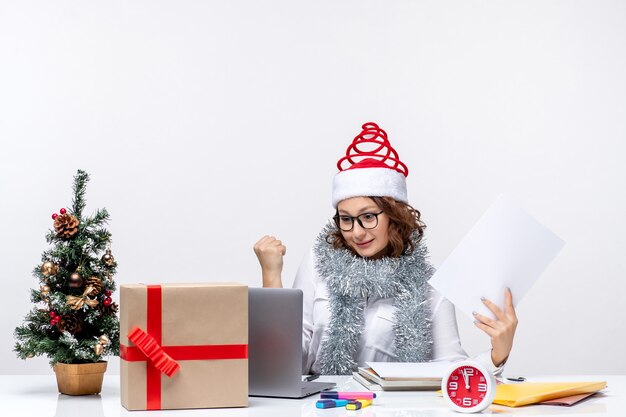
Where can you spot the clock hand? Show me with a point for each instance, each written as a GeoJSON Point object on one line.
{"type": "Point", "coordinates": [466, 379]}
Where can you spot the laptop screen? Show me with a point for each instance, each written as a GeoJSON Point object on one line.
{"type": "Point", "coordinates": [275, 341]}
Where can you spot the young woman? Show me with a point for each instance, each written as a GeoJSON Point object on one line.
{"type": "Point", "coordinates": [366, 296]}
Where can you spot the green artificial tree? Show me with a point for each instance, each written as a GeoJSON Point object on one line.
{"type": "Point", "coordinates": [74, 319]}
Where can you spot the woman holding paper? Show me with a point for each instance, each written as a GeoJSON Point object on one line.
{"type": "Point", "coordinates": [366, 296]}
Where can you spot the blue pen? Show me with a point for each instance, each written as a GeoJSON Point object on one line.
{"type": "Point", "coordinates": [330, 403]}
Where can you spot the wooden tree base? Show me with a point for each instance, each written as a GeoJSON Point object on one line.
{"type": "Point", "coordinates": [80, 379]}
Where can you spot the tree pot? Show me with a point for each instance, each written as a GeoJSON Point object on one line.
{"type": "Point", "coordinates": [81, 378]}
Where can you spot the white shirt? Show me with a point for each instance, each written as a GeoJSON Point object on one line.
{"type": "Point", "coordinates": [376, 344]}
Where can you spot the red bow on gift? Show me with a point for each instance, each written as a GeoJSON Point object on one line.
{"type": "Point", "coordinates": [153, 351]}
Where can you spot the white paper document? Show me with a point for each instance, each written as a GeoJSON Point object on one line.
{"type": "Point", "coordinates": [505, 248]}
{"type": "Point", "coordinates": [410, 369]}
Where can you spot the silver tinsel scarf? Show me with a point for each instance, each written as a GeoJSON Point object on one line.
{"type": "Point", "coordinates": [350, 280]}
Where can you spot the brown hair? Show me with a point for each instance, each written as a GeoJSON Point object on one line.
{"type": "Point", "coordinates": [403, 221]}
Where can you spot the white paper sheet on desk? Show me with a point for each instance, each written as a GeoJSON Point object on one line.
{"type": "Point", "coordinates": [506, 248]}
{"type": "Point", "coordinates": [410, 369]}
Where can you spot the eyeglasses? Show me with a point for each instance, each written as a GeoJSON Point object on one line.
{"type": "Point", "coordinates": [365, 220]}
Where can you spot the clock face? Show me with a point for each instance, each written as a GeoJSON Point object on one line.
{"type": "Point", "coordinates": [468, 388]}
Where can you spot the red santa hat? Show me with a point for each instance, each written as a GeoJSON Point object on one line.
{"type": "Point", "coordinates": [370, 168]}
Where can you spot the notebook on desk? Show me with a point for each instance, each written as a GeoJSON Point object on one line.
{"type": "Point", "coordinates": [275, 345]}
{"type": "Point", "coordinates": [397, 376]}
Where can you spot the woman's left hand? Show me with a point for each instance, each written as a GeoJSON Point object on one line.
{"type": "Point", "coordinates": [501, 330]}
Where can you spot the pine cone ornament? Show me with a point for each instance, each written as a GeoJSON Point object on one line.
{"type": "Point", "coordinates": [70, 323]}
{"type": "Point", "coordinates": [109, 310]}
{"type": "Point", "coordinates": [94, 282]}
{"type": "Point", "coordinates": [66, 225]}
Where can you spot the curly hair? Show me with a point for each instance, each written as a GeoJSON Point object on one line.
{"type": "Point", "coordinates": [403, 221]}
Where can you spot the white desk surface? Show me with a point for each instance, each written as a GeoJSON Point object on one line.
{"type": "Point", "coordinates": [36, 395]}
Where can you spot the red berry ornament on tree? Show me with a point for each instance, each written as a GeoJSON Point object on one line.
{"type": "Point", "coordinates": [108, 293]}
{"type": "Point", "coordinates": [107, 301]}
{"type": "Point", "coordinates": [54, 216]}
{"type": "Point", "coordinates": [63, 211]}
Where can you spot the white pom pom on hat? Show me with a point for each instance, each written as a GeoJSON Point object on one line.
{"type": "Point", "coordinates": [374, 168]}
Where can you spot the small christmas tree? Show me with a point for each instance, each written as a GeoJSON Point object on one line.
{"type": "Point", "coordinates": [74, 319]}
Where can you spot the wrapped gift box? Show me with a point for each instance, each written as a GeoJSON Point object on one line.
{"type": "Point", "coordinates": [197, 333]}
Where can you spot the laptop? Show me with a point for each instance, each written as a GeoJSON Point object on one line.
{"type": "Point", "coordinates": [275, 345]}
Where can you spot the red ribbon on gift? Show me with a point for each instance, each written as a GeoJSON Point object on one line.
{"type": "Point", "coordinates": [163, 358]}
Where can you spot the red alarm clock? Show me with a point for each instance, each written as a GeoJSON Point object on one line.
{"type": "Point", "coordinates": [468, 387]}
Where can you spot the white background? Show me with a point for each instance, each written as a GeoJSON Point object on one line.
{"type": "Point", "coordinates": [206, 124]}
